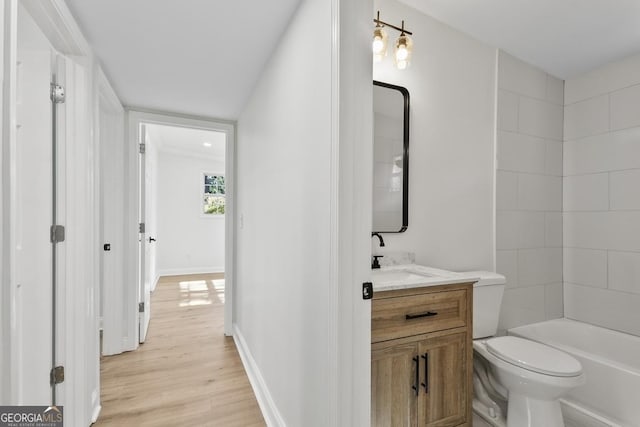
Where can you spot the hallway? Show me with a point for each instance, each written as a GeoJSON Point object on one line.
{"type": "Point", "coordinates": [187, 372]}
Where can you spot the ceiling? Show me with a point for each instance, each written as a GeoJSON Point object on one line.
{"type": "Point", "coordinates": [187, 141]}
{"type": "Point", "coordinates": [197, 57]}
{"type": "Point", "coordinates": [563, 37]}
{"type": "Point", "coordinates": [203, 57]}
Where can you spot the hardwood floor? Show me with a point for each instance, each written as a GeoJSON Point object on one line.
{"type": "Point", "coordinates": [187, 373]}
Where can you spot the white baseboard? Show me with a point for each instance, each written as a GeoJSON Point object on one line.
{"type": "Point", "coordinates": [189, 270]}
{"type": "Point", "coordinates": [269, 410]}
{"type": "Point", "coordinates": [96, 413]}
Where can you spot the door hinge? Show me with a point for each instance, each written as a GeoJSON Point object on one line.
{"type": "Point", "coordinates": [57, 233]}
{"type": "Point", "coordinates": [57, 94]}
{"type": "Point", "coordinates": [141, 307]}
{"type": "Point", "coordinates": [57, 375]}
{"type": "Point", "coordinates": [141, 227]}
{"type": "Point", "coordinates": [142, 148]}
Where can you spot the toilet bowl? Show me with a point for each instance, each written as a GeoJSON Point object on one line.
{"type": "Point", "coordinates": [534, 376]}
{"type": "Point", "coordinates": [525, 376]}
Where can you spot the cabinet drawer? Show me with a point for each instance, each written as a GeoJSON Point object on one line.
{"type": "Point", "coordinates": [405, 316]}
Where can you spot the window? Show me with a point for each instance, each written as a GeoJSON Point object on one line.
{"type": "Point", "coordinates": [214, 194]}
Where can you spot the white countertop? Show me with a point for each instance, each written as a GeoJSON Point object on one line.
{"type": "Point", "coordinates": [416, 276]}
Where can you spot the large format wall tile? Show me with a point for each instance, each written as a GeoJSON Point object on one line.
{"type": "Point", "coordinates": [553, 229]}
{"type": "Point", "coordinates": [585, 230]}
{"type": "Point", "coordinates": [624, 271]}
{"type": "Point", "coordinates": [540, 118]}
{"type": "Point", "coordinates": [555, 90]}
{"type": "Point", "coordinates": [625, 190]}
{"type": "Point", "coordinates": [603, 307]}
{"type": "Point", "coordinates": [519, 77]}
{"type": "Point", "coordinates": [606, 79]}
{"type": "Point", "coordinates": [529, 192]}
{"type": "Point", "coordinates": [521, 153]}
{"type": "Point", "coordinates": [507, 111]}
{"type": "Point", "coordinates": [553, 159]}
{"type": "Point", "coordinates": [506, 190]}
{"type": "Point", "coordinates": [625, 108]}
{"type": "Point", "coordinates": [586, 118]}
{"type": "Point", "coordinates": [539, 192]}
{"type": "Point", "coordinates": [586, 192]}
{"type": "Point", "coordinates": [601, 200]}
{"type": "Point", "coordinates": [585, 267]}
{"type": "Point", "coordinates": [603, 153]}
{"type": "Point", "coordinates": [539, 266]}
{"type": "Point", "coordinates": [521, 306]}
{"type": "Point", "coordinates": [553, 301]}
{"type": "Point", "coordinates": [507, 265]}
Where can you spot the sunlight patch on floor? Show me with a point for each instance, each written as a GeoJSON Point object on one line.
{"type": "Point", "coordinates": [193, 293]}
{"type": "Point", "coordinates": [218, 286]}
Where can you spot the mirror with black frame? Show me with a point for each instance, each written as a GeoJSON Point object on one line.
{"type": "Point", "coordinates": [390, 158]}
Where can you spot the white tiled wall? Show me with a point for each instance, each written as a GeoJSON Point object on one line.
{"type": "Point", "coordinates": [568, 213]}
{"type": "Point", "coordinates": [529, 192]}
{"type": "Point", "coordinates": [602, 196]}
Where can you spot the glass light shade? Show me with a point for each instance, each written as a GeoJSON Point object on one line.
{"type": "Point", "coordinates": [404, 48]}
{"type": "Point", "coordinates": [379, 45]}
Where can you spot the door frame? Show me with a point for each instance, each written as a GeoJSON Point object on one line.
{"type": "Point", "coordinates": [135, 117]}
{"type": "Point", "coordinates": [8, 353]}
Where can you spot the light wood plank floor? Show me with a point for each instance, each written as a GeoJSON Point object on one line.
{"type": "Point", "coordinates": [187, 373]}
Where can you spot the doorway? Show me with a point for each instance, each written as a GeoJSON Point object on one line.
{"type": "Point", "coordinates": [184, 203]}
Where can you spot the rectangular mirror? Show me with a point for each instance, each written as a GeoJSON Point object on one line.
{"type": "Point", "coordinates": [390, 158]}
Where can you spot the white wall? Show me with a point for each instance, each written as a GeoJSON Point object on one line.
{"type": "Point", "coordinates": [283, 233]}
{"type": "Point", "coordinates": [529, 192]}
{"type": "Point", "coordinates": [451, 81]}
{"type": "Point", "coordinates": [187, 240]}
{"type": "Point", "coordinates": [601, 196]}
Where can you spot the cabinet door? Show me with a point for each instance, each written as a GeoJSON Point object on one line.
{"type": "Point", "coordinates": [394, 378]}
{"type": "Point", "coordinates": [443, 402]}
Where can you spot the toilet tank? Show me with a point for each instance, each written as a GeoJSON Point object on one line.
{"type": "Point", "coordinates": [487, 298]}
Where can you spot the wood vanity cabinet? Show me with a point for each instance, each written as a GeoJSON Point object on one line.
{"type": "Point", "coordinates": [421, 357]}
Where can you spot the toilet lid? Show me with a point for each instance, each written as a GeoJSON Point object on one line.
{"type": "Point", "coordinates": [534, 356]}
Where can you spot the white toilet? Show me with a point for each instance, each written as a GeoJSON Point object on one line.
{"type": "Point", "coordinates": [524, 377]}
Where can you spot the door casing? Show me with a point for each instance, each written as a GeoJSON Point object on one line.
{"type": "Point", "coordinates": [136, 117]}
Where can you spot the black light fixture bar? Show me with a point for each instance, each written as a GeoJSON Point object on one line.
{"type": "Point", "coordinates": [402, 30]}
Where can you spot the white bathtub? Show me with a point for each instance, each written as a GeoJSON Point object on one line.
{"type": "Point", "coordinates": [611, 362]}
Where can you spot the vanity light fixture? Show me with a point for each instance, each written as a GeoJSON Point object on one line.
{"type": "Point", "coordinates": [380, 40]}
{"type": "Point", "coordinates": [403, 46]}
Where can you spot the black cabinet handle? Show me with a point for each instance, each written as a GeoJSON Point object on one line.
{"type": "Point", "coordinates": [425, 384]}
{"type": "Point", "coordinates": [417, 316]}
{"type": "Point", "coordinates": [416, 387]}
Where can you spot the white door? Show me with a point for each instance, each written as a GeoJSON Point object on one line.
{"type": "Point", "coordinates": [144, 295]}
{"type": "Point", "coordinates": [32, 218]}
{"type": "Point", "coordinates": [112, 307]}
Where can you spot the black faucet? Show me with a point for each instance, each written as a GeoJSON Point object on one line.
{"type": "Point", "coordinates": [375, 264]}
{"type": "Point", "coordinates": [379, 237]}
